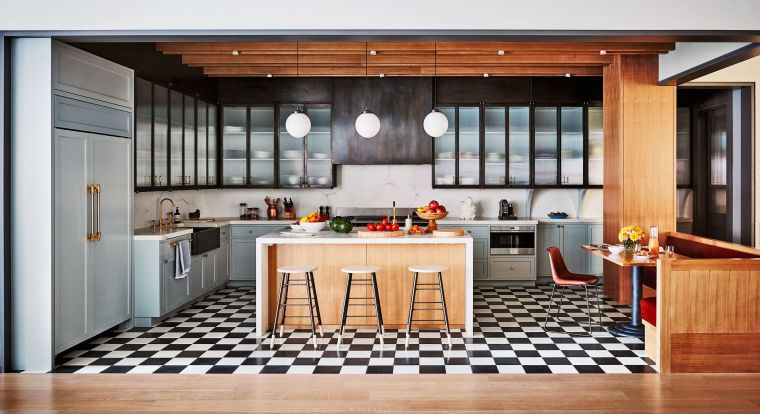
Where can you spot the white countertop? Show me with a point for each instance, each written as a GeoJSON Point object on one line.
{"type": "Point", "coordinates": [331, 237]}
{"type": "Point", "coordinates": [226, 221]}
{"type": "Point", "coordinates": [149, 233]}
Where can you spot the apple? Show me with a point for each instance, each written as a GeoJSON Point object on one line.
{"type": "Point", "coordinates": [441, 209]}
{"type": "Point", "coordinates": [433, 210]}
{"type": "Point", "coordinates": [433, 204]}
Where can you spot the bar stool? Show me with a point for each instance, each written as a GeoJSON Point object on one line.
{"type": "Point", "coordinates": [311, 298]}
{"type": "Point", "coordinates": [370, 280]}
{"type": "Point", "coordinates": [427, 269]}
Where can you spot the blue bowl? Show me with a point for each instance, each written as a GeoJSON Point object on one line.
{"type": "Point", "coordinates": [558, 216]}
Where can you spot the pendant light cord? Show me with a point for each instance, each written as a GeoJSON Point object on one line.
{"type": "Point", "coordinates": [366, 77]}
{"type": "Point", "coordinates": [298, 90]}
{"type": "Point", "coordinates": [435, 75]}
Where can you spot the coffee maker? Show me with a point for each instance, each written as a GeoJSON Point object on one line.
{"type": "Point", "coordinates": [506, 210]}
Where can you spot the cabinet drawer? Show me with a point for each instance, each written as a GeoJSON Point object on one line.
{"type": "Point", "coordinates": [249, 231]}
{"type": "Point", "coordinates": [167, 246]}
{"type": "Point", "coordinates": [482, 232]}
{"type": "Point", "coordinates": [224, 233]}
{"type": "Point", "coordinates": [512, 269]}
{"type": "Point", "coordinates": [480, 248]}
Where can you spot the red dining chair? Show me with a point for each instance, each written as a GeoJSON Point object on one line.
{"type": "Point", "coordinates": [563, 278]}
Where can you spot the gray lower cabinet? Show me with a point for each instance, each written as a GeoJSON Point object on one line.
{"type": "Point", "coordinates": [595, 264]}
{"type": "Point", "coordinates": [517, 268]}
{"type": "Point", "coordinates": [92, 274]}
{"type": "Point", "coordinates": [158, 293]}
{"type": "Point", "coordinates": [480, 239]}
{"type": "Point", "coordinates": [568, 237]}
{"type": "Point", "coordinates": [243, 250]}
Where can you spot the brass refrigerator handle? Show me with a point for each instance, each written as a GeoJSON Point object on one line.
{"type": "Point", "coordinates": [98, 234]}
{"type": "Point", "coordinates": [91, 230]}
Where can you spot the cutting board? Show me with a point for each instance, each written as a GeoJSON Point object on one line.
{"type": "Point", "coordinates": [448, 233]}
{"type": "Point", "coordinates": [367, 233]}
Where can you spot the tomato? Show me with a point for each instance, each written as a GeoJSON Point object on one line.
{"type": "Point", "coordinates": [395, 227]}
{"type": "Point", "coordinates": [380, 227]}
{"type": "Point", "coordinates": [384, 221]}
{"type": "Point", "coordinates": [441, 209]}
{"type": "Point", "coordinates": [371, 227]}
{"type": "Point", "coordinates": [433, 204]}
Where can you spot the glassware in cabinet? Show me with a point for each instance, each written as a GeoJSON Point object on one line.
{"type": "Point", "coordinates": [469, 145]}
{"type": "Point", "coordinates": [291, 153]}
{"type": "Point", "coordinates": [495, 145]}
{"type": "Point", "coordinates": [519, 145]}
{"type": "Point", "coordinates": [176, 129]}
{"type": "Point", "coordinates": [211, 146]}
{"type": "Point", "coordinates": [143, 139]}
{"type": "Point", "coordinates": [318, 147]}
{"type": "Point", "coordinates": [571, 145]}
{"type": "Point", "coordinates": [160, 136]}
{"type": "Point", "coordinates": [444, 151]}
{"type": "Point", "coordinates": [595, 145]}
{"type": "Point", "coordinates": [202, 142]}
{"type": "Point", "coordinates": [545, 136]}
{"type": "Point", "coordinates": [262, 151]}
{"type": "Point", "coordinates": [189, 139]}
{"type": "Point", "coordinates": [683, 147]}
{"type": "Point", "coordinates": [234, 141]}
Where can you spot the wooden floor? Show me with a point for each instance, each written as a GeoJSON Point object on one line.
{"type": "Point", "coordinates": [604, 393]}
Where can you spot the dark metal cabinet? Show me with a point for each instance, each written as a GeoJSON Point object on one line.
{"type": "Point", "coordinates": [175, 139]}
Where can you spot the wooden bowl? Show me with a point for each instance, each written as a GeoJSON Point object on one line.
{"type": "Point", "coordinates": [432, 216]}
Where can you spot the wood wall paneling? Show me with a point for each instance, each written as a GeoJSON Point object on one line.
{"type": "Point", "coordinates": [639, 156]}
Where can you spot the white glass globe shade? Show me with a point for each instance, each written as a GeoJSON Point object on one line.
{"type": "Point", "coordinates": [298, 124]}
{"type": "Point", "coordinates": [367, 124]}
{"type": "Point", "coordinates": [435, 123]}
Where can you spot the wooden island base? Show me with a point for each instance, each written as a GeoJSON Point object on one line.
{"type": "Point", "coordinates": [394, 282]}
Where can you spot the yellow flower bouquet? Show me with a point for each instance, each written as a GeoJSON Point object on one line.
{"type": "Point", "coordinates": [629, 236]}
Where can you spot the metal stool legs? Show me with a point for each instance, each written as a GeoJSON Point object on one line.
{"type": "Point", "coordinates": [312, 303]}
{"type": "Point", "coordinates": [562, 300]}
{"type": "Point", "coordinates": [413, 301]}
{"type": "Point", "coordinates": [371, 281]}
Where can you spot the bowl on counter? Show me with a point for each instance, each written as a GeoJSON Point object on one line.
{"type": "Point", "coordinates": [615, 249]}
{"type": "Point", "coordinates": [313, 227]}
{"type": "Point", "coordinates": [296, 226]}
{"type": "Point", "coordinates": [557, 216]}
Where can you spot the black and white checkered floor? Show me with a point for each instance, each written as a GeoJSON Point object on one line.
{"type": "Point", "coordinates": [216, 336]}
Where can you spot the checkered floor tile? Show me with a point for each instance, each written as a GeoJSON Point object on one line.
{"type": "Point", "coordinates": [216, 336]}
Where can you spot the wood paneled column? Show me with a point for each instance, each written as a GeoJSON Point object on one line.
{"type": "Point", "coordinates": [639, 156]}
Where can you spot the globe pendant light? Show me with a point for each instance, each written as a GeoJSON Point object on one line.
{"type": "Point", "coordinates": [367, 123]}
{"type": "Point", "coordinates": [435, 123]}
{"type": "Point", "coordinates": [298, 123]}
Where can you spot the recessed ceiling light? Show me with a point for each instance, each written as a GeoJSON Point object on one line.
{"type": "Point", "coordinates": [373, 52]}
{"type": "Point", "coordinates": [567, 75]}
{"type": "Point", "coordinates": [235, 52]}
{"type": "Point", "coordinates": [602, 52]}
{"type": "Point", "coordinates": [501, 53]}
{"type": "Point", "coordinates": [485, 75]}
{"type": "Point", "coordinates": [269, 75]}
{"type": "Point", "coordinates": [382, 75]}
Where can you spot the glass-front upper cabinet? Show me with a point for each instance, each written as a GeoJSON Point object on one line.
{"type": "Point", "coordinates": [545, 143]}
{"type": "Point", "coordinates": [683, 147]}
{"type": "Point", "coordinates": [468, 141]}
{"type": "Point", "coordinates": [189, 150]}
{"type": "Point", "coordinates": [212, 144]}
{"type": "Point", "coordinates": [262, 150]}
{"type": "Point", "coordinates": [519, 145]}
{"type": "Point", "coordinates": [595, 165]}
{"type": "Point", "coordinates": [160, 136]}
{"type": "Point", "coordinates": [202, 142]}
{"type": "Point", "coordinates": [444, 167]}
{"type": "Point", "coordinates": [234, 142]}
{"type": "Point", "coordinates": [319, 147]}
{"type": "Point", "coordinates": [495, 146]}
{"type": "Point", "coordinates": [176, 134]}
{"type": "Point", "coordinates": [143, 133]}
{"type": "Point", "coordinates": [292, 163]}
{"type": "Point", "coordinates": [571, 145]}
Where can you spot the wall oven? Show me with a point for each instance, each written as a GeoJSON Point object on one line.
{"type": "Point", "coordinates": [513, 240]}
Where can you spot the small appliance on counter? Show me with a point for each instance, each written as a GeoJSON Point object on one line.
{"type": "Point", "coordinates": [290, 211]}
{"type": "Point", "coordinates": [273, 207]}
{"type": "Point", "coordinates": [467, 209]}
{"type": "Point", "coordinates": [506, 211]}
{"type": "Point", "coordinates": [194, 215]}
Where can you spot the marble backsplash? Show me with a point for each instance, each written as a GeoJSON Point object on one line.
{"type": "Point", "coordinates": [374, 186]}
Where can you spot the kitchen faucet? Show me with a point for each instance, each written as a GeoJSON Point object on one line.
{"type": "Point", "coordinates": [160, 221]}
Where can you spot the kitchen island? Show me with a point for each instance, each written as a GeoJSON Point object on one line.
{"type": "Point", "coordinates": [331, 251]}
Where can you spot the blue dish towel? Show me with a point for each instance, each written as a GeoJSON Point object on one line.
{"type": "Point", "coordinates": [182, 259]}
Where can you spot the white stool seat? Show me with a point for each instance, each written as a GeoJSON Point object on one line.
{"type": "Point", "coordinates": [296, 269]}
{"type": "Point", "coordinates": [428, 268]}
{"type": "Point", "coordinates": [360, 270]}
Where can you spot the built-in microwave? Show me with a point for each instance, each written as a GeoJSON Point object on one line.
{"type": "Point", "coordinates": [513, 240]}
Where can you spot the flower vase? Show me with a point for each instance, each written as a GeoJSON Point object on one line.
{"type": "Point", "coordinates": [628, 245]}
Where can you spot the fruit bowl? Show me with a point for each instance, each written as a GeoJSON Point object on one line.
{"type": "Point", "coordinates": [313, 227]}
{"type": "Point", "coordinates": [431, 218]}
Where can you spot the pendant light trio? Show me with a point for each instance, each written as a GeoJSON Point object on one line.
{"type": "Point", "coordinates": [367, 123]}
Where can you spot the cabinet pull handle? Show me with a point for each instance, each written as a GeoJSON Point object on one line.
{"type": "Point", "coordinates": [166, 261]}
{"type": "Point", "coordinates": [98, 234]}
{"type": "Point", "coordinates": [511, 268]}
{"type": "Point", "coordinates": [250, 231]}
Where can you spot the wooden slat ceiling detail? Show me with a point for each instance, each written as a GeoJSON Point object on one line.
{"type": "Point", "coordinates": [317, 59]}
